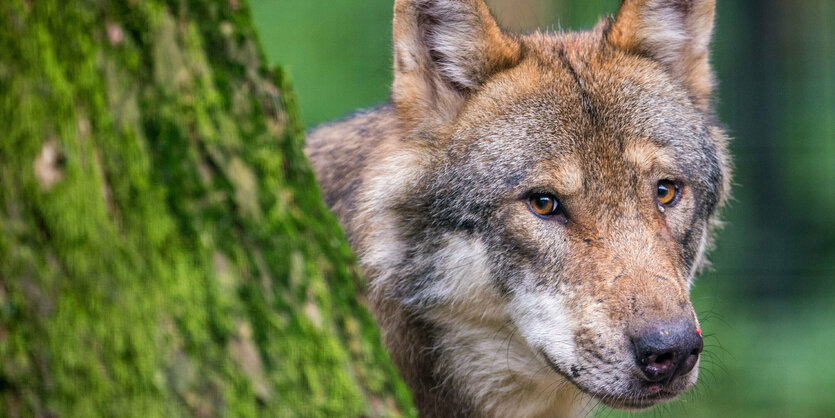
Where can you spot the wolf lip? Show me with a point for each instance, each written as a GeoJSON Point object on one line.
{"type": "Point", "coordinates": [636, 402]}
{"type": "Point", "coordinates": [629, 403]}
{"type": "Point", "coordinates": [640, 399]}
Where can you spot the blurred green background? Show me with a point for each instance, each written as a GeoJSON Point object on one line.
{"type": "Point", "coordinates": [768, 305]}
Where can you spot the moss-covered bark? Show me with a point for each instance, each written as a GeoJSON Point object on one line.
{"type": "Point", "coordinates": [163, 248]}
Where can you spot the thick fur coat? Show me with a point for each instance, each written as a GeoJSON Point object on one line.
{"type": "Point", "coordinates": [491, 305]}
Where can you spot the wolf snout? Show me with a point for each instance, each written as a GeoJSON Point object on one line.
{"type": "Point", "coordinates": [668, 350]}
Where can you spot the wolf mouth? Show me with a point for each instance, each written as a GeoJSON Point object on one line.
{"type": "Point", "coordinates": [637, 401]}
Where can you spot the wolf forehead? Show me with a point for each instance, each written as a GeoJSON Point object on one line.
{"type": "Point", "coordinates": [582, 113]}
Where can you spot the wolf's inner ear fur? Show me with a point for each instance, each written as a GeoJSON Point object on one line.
{"type": "Point", "coordinates": [443, 51]}
{"type": "Point", "coordinates": [674, 32]}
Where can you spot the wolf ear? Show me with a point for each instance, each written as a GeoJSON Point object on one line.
{"type": "Point", "coordinates": [674, 32]}
{"type": "Point", "coordinates": [444, 50]}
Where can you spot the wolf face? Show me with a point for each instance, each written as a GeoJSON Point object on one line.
{"type": "Point", "coordinates": [531, 210]}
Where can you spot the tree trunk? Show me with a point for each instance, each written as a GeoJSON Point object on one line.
{"type": "Point", "coordinates": [163, 247]}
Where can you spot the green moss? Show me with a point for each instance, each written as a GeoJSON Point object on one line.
{"type": "Point", "coordinates": [165, 250]}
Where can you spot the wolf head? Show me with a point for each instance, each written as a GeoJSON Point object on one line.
{"type": "Point", "coordinates": [541, 216]}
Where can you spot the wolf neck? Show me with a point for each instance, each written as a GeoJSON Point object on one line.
{"type": "Point", "coordinates": [467, 383]}
{"type": "Point", "coordinates": [455, 331]}
{"type": "Point", "coordinates": [469, 334]}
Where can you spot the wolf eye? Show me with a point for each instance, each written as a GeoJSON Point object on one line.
{"type": "Point", "coordinates": [544, 205]}
{"type": "Point", "coordinates": [667, 192]}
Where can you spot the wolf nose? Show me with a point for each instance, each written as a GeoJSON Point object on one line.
{"type": "Point", "coordinates": [668, 350]}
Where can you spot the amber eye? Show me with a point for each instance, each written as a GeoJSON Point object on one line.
{"type": "Point", "coordinates": [545, 205]}
{"type": "Point", "coordinates": [666, 193]}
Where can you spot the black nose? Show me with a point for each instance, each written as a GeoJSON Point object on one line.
{"type": "Point", "coordinates": [668, 350]}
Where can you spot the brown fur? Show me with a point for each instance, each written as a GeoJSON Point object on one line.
{"type": "Point", "coordinates": [474, 293]}
{"type": "Point", "coordinates": [683, 48]}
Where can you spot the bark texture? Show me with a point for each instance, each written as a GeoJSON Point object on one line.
{"type": "Point", "coordinates": [163, 247]}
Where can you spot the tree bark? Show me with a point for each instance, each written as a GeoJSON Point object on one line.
{"type": "Point", "coordinates": [163, 247]}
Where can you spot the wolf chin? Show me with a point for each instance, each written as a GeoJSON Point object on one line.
{"type": "Point", "coordinates": [530, 210]}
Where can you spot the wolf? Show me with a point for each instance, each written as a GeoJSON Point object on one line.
{"type": "Point", "coordinates": [530, 210]}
